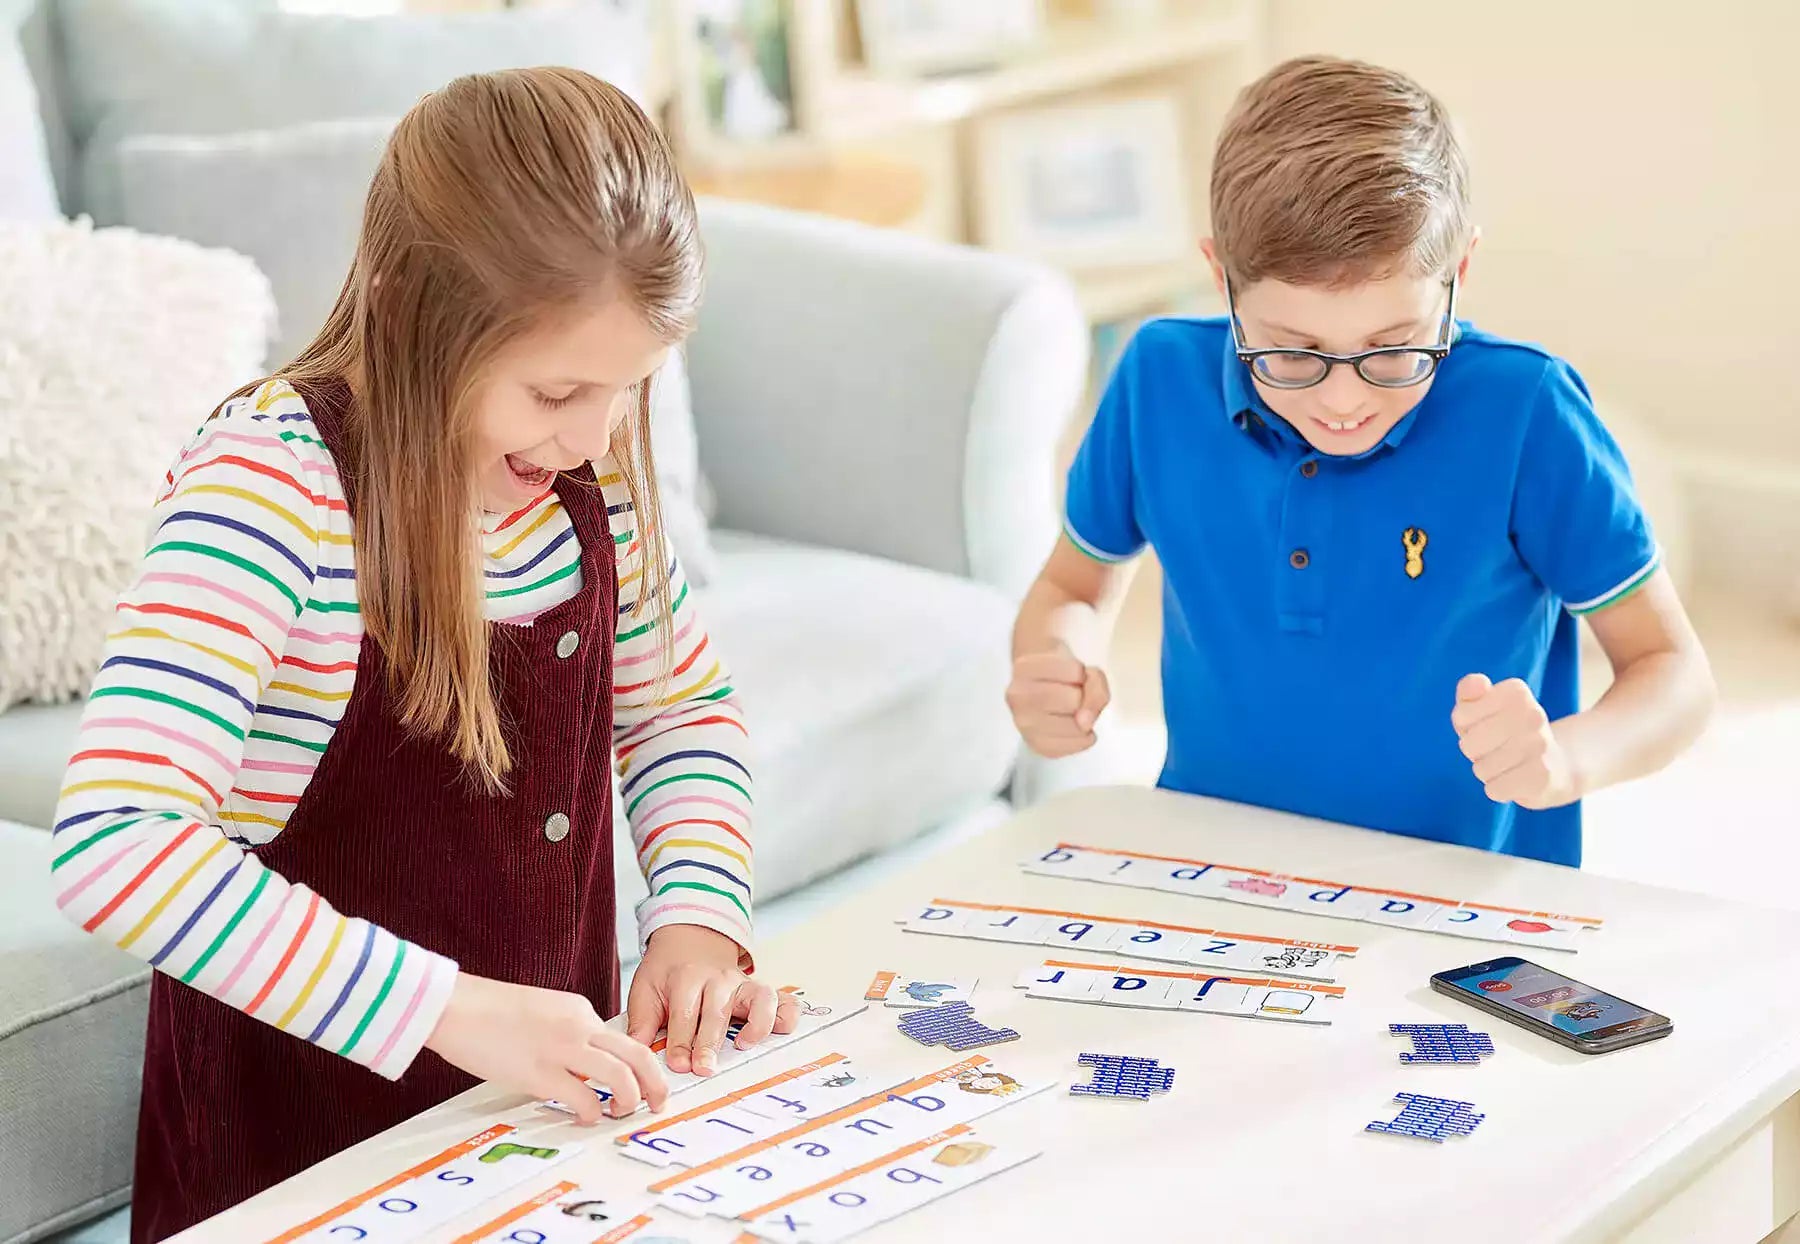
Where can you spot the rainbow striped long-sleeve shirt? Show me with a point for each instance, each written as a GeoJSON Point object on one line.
{"type": "Point", "coordinates": [231, 659]}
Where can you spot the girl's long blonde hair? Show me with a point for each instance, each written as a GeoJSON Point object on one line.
{"type": "Point", "coordinates": [502, 199]}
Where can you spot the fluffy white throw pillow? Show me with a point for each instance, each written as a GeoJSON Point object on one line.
{"type": "Point", "coordinates": [114, 345]}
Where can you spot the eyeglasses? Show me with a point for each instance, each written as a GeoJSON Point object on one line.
{"type": "Point", "coordinates": [1389, 367]}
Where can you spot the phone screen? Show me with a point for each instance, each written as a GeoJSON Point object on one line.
{"type": "Point", "coordinates": [1547, 997]}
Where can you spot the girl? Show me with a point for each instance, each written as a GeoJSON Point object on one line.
{"type": "Point", "coordinates": [344, 776]}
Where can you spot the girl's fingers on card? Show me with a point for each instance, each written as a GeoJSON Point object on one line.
{"type": "Point", "coordinates": [642, 1063]}
{"type": "Point", "coordinates": [643, 1010]}
{"type": "Point", "coordinates": [755, 1001]}
{"type": "Point", "coordinates": [571, 1091]}
{"type": "Point", "coordinates": [715, 1016]}
{"type": "Point", "coordinates": [684, 993]}
{"type": "Point", "coordinates": [787, 1012]}
{"type": "Point", "coordinates": [602, 1068]}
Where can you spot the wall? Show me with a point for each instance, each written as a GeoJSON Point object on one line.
{"type": "Point", "coordinates": [1637, 175]}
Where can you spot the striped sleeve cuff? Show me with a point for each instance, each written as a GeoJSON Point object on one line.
{"type": "Point", "coordinates": [413, 1018]}
{"type": "Point", "coordinates": [708, 911]}
{"type": "Point", "coordinates": [1091, 549]}
{"type": "Point", "coordinates": [1621, 590]}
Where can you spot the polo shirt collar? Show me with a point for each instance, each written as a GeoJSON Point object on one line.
{"type": "Point", "coordinates": [1245, 407]}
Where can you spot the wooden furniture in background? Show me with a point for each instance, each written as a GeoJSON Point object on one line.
{"type": "Point", "coordinates": [850, 117]}
{"type": "Point", "coordinates": [858, 186]}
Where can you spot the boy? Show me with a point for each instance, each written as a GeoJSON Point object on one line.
{"type": "Point", "coordinates": [1377, 525]}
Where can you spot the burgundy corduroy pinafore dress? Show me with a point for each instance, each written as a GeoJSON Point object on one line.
{"type": "Point", "coordinates": [519, 888]}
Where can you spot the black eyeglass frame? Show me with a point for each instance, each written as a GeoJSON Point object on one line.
{"type": "Point", "coordinates": [1436, 353]}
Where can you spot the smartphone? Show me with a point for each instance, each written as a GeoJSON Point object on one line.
{"type": "Point", "coordinates": [1552, 1005]}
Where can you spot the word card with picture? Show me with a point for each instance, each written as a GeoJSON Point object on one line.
{"type": "Point", "coordinates": [763, 1109]}
{"type": "Point", "coordinates": [1479, 921]}
{"type": "Point", "coordinates": [413, 1202]}
{"type": "Point", "coordinates": [586, 1213]}
{"type": "Point", "coordinates": [841, 1205]}
{"type": "Point", "coordinates": [813, 1016]}
{"type": "Point", "coordinates": [1249, 997]}
{"type": "Point", "coordinates": [897, 990]}
{"type": "Point", "coordinates": [1138, 939]}
{"type": "Point", "coordinates": [768, 1169]}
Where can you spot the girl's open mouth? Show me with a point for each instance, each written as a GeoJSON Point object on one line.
{"type": "Point", "coordinates": [528, 473]}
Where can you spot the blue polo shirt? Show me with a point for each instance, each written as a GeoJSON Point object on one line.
{"type": "Point", "coordinates": [1318, 611]}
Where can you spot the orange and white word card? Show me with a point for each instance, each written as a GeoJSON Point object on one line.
{"type": "Point", "coordinates": [1483, 922]}
{"type": "Point", "coordinates": [771, 1168]}
{"type": "Point", "coordinates": [571, 1213]}
{"type": "Point", "coordinates": [425, 1196]}
{"type": "Point", "coordinates": [1138, 939]}
{"type": "Point", "coordinates": [893, 989]}
{"type": "Point", "coordinates": [1251, 997]}
{"type": "Point", "coordinates": [733, 1121]}
{"type": "Point", "coordinates": [883, 1187]}
{"type": "Point", "coordinates": [813, 1016]}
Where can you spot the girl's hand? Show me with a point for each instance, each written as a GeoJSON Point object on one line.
{"type": "Point", "coordinates": [545, 1042]}
{"type": "Point", "coordinates": [689, 982]}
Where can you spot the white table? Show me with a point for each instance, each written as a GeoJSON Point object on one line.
{"type": "Point", "coordinates": [1696, 1137]}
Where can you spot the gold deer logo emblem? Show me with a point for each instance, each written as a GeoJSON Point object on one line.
{"type": "Point", "coordinates": [1415, 540]}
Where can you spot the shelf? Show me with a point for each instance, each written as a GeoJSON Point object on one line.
{"type": "Point", "coordinates": [1071, 57]}
{"type": "Point", "coordinates": [865, 188]}
{"type": "Point", "coordinates": [1118, 293]}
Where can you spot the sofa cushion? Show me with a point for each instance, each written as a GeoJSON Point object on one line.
{"type": "Point", "coordinates": [196, 186]}
{"type": "Point", "coordinates": [113, 346]}
{"type": "Point", "coordinates": [35, 743]}
{"type": "Point", "coordinates": [875, 698]}
{"type": "Point", "coordinates": [71, 1051]}
{"type": "Point", "coordinates": [211, 66]}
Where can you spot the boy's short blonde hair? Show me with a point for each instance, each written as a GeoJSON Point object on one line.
{"type": "Point", "coordinates": [1332, 171]}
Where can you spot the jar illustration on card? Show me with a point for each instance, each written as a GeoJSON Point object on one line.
{"type": "Point", "coordinates": [1285, 1002]}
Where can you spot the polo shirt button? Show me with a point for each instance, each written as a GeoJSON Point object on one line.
{"type": "Point", "coordinates": [1309, 468]}
{"type": "Point", "coordinates": [557, 827]}
{"type": "Point", "coordinates": [565, 647]}
{"type": "Point", "coordinates": [1299, 559]}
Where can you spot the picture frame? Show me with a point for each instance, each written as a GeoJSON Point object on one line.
{"type": "Point", "coordinates": [734, 76]}
{"type": "Point", "coordinates": [945, 36]}
{"type": "Point", "coordinates": [1090, 185]}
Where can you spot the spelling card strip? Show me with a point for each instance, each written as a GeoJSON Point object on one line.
{"type": "Point", "coordinates": [731, 1122]}
{"type": "Point", "coordinates": [882, 1188]}
{"type": "Point", "coordinates": [571, 1213]}
{"type": "Point", "coordinates": [729, 1185]}
{"type": "Point", "coordinates": [1245, 997]}
{"type": "Point", "coordinates": [436, 1190]}
{"type": "Point", "coordinates": [490, 1230]}
{"type": "Point", "coordinates": [813, 1017]}
{"type": "Point", "coordinates": [1140, 939]}
{"type": "Point", "coordinates": [729, 1099]}
{"type": "Point", "coordinates": [1312, 896]}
